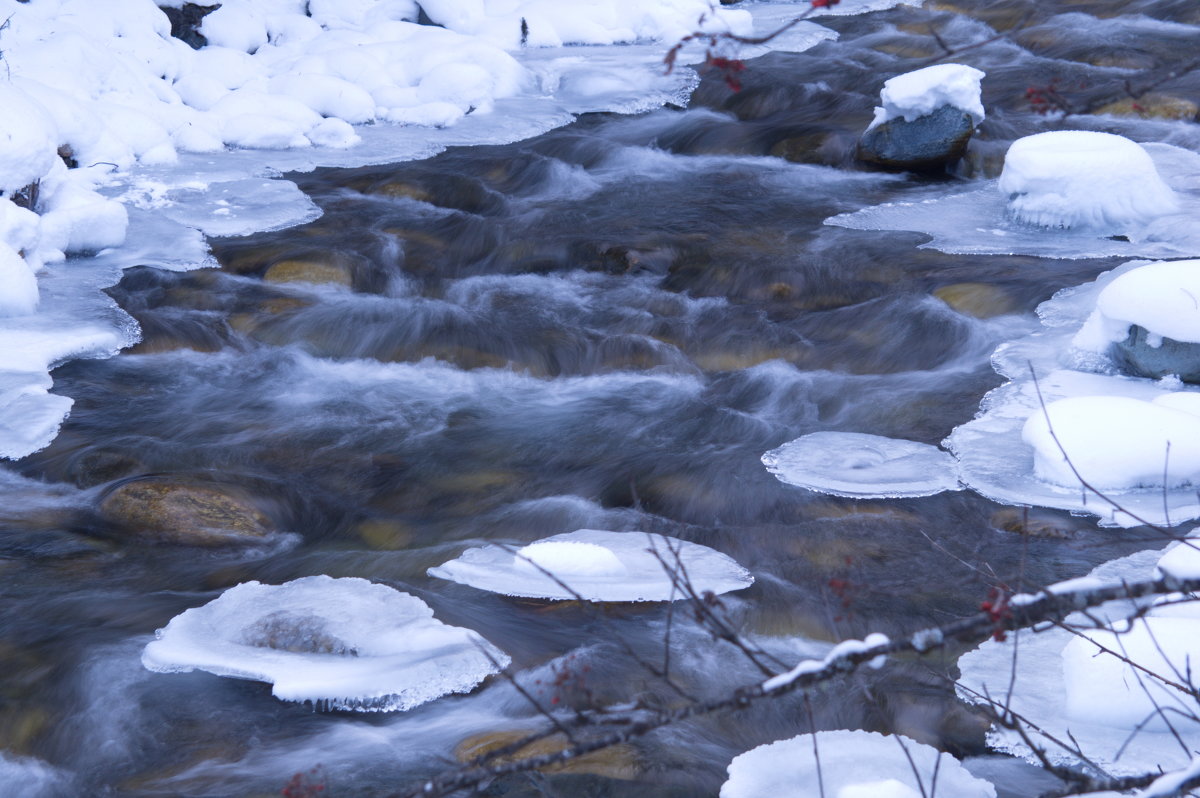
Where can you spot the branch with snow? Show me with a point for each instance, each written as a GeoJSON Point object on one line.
{"type": "Point", "coordinates": [998, 617]}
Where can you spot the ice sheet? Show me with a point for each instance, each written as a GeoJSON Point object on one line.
{"type": "Point", "coordinates": [864, 466]}
{"type": "Point", "coordinates": [1042, 694]}
{"type": "Point", "coordinates": [632, 566]}
{"type": "Point", "coordinates": [339, 643]}
{"type": "Point", "coordinates": [977, 221]}
{"type": "Point", "coordinates": [1046, 367]}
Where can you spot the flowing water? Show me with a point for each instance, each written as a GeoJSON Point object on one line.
{"type": "Point", "coordinates": [604, 326]}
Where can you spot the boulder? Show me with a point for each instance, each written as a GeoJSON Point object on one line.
{"type": "Point", "coordinates": [1136, 356]}
{"type": "Point", "coordinates": [186, 20]}
{"type": "Point", "coordinates": [172, 510]}
{"type": "Point", "coordinates": [928, 142]}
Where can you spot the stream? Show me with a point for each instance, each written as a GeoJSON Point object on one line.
{"type": "Point", "coordinates": [603, 326]}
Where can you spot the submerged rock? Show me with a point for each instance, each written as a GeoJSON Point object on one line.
{"type": "Point", "coordinates": [615, 762]}
{"type": "Point", "coordinates": [167, 510]}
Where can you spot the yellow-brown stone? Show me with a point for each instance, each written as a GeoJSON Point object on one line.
{"type": "Point", "coordinates": [981, 300]}
{"type": "Point", "coordinates": [309, 271]}
{"type": "Point", "coordinates": [165, 510]}
{"type": "Point", "coordinates": [1154, 106]}
{"type": "Point", "coordinates": [615, 762]}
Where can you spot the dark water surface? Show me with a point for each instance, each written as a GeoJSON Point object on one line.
{"type": "Point", "coordinates": [603, 327]}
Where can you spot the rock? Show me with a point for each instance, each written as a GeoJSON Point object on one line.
{"type": "Point", "coordinates": [169, 510]}
{"type": "Point", "coordinates": [615, 762]}
{"type": "Point", "coordinates": [928, 142]}
{"type": "Point", "coordinates": [1154, 106]}
{"type": "Point", "coordinates": [185, 22]}
{"type": "Point", "coordinates": [981, 300]}
{"type": "Point", "coordinates": [384, 535]}
{"type": "Point", "coordinates": [1137, 356]}
{"type": "Point", "coordinates": [309, 271]}
{"type": "Point", "coordinates": [1034, 523]}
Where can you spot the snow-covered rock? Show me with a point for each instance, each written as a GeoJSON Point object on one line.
{"type": "Point", "coordinates": [339, 643]}
{"type": "Point", "coordinates": [1084, 179]}
{"type": "Point", "coordinates": [919, 93]}
{"type": "Point", "coordinates": [1148, 321]}
{"type": "Point", "coordinates": [926, 118]}
{"type": "Point", "coordinates": [863, 466]}
{"type": "Point", "coordinates": [596, 565]}
{"type": "Point", "coordinates": [851, 764]}
{"type": "Point", "coordinates": [1114, 443]}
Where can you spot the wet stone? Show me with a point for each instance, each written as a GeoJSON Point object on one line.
{"type": "Point", "coordinates": [308, 271]}
{"type": "Point", "coordinates": [165, 510]}
{"type": "Point", "coordinates": [615, 762]}
{"type": "Point", "coordinates": [384, 534]}
{"type": "Point", "coordinates": [928, 142]}
{"type": "Point", "coordinates": [1154, 106]}
{"type": "Point", "coordinates": [1034, 523]}
{"type": "Point", "coordinates": [1138, 356]}
{"type": "Point", "coordinates": [981, 300]}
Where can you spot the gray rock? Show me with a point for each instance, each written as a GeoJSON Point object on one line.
{"type": "Point", "coordinates": [1135, 356]}
{"type": "Point", "coordinates": [928, 142]}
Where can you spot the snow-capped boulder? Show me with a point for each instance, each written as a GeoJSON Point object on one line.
{"type": "Point", "coordinates": [344, 644]}
{"type": "Point", "coordinates": [596, 565]}
{"type": "Point", "coordinates": [926, 118]}
{"type": "Point", "coordinates": [1148, 321]}
{"type": "Point", "coordinates": [1084, 179]}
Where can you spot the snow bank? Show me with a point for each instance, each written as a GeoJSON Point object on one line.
{"type": "Point", "coordinates": [1115, 442]}
{"type": "Point", "coordinates": [1077, 687]}
{"type": "Point", "coordinates": [1163, 298]}
{"type": "Point", "coordinates": [920, 93]}
{"type": "Point", "coordinates": [541, 24]}
{"type": "Point", "coordinates": [1079, 178]}
{"type": "Point", "coordinates": [598, 566]}
{"type": "Point", "coordinates": [851, 764]}
{"type": "Point", "coordinates": [864, 466]}
{"type": "Point", "coordinates": [340, 643]}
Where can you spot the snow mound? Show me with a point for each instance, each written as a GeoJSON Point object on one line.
{"type": "Point", "coordinates": [915, 94]}
{"type": "Point", "coordinates": [1081, 178]}
{"type": "Point", "coordinates": [568, 559]}
{"type": "Point", "coordinates": [852, 764]}
{"type": "Point", "coordinates": [864, 466]}
{"type": "Point", "coordinates": [1163, 298]}
{"type": "Point", "coordinates": [597, 565]}
{"type": "Point", "coordinates": [1074, 690]}
{"type": "Point", "coordinates": [344, 644]}
{"type": "Point", "coordinates": [1114, 442]}
{"type": "Point", "coordinates": [1181, 560]}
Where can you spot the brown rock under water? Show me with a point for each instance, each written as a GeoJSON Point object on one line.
{"type": "Point", "coordinates": [167, 510]}
{"type": "Point", "coordinates": [615, 762]}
